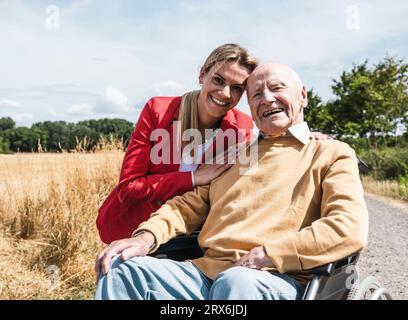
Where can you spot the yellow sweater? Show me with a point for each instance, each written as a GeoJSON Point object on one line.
{"type": "Point", "coordinates": [304, 204]}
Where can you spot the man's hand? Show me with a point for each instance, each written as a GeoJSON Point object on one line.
{"type": "Point", "coordinates": [127, 248]}
{"type": "Point", "coordinates": [255, 259]}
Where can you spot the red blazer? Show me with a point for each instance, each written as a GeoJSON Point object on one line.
{"type": "Point", "coordinates": [143, 186]}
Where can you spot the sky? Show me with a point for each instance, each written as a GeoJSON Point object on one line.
{"type": "Point", "coordinates": [92, 59]}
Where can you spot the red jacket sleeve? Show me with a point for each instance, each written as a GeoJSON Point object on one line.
{"type": "Point", "coordinates": [249, 131]}
{"type": "Point", "coordinates": [135, 182]}
{"type": "Point", "coordinates": [245, 122]}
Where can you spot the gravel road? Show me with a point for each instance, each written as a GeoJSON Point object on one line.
{"type": "Point", "coordinates": [386, 256]}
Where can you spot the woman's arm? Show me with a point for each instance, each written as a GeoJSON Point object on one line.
{"type": "Point", "coordinates": [135, 183]}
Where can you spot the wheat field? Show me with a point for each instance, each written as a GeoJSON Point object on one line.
{"type": "Point", "coordinates": [48, 207]}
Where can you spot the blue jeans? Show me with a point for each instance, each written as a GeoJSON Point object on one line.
{"type": "Point", "coordinates": [147, 278]}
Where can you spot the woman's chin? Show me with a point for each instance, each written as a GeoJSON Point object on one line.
{"type": "Point", "coordinates": [216, 112]}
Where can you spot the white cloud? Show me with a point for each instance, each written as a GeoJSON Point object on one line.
{"type": "Point", "coordinates": [7, 103]}
{"type": "Point", "coordinates": [169, 88]}
{"type": "Point", "coordinates": [52, 112]}
{"type": "Point", "coordinates": [81, 109]}
{"type": "Point", "coordinates": [114, 101]}
{"type": "Point", "coordinates": [22, 117]}
{"type": "Point", "coordinates": [165, 88]}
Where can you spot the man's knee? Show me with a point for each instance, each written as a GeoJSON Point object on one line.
{"type": "Point", "coordinates": [235, 283]}
{"type": "Point", "coordinates": [236, 276]}
{"type": "Point", "coordinates": [123, 277]}
{"type": "Point", "coordinates": [118, 266]}
{"type": "Point", "coordinates": [244, 283]}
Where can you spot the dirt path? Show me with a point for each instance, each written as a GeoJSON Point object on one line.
{"type": "Point", "coordinates": [386, 256]}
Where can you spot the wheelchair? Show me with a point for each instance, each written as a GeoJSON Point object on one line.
{"type": "Point", "coordinates": [338, 280]}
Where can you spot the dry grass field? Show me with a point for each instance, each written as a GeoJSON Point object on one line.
{"type": "Point", "coordinates": [391, 189]}
{"type": "Point", "coordinates": [48, 237]}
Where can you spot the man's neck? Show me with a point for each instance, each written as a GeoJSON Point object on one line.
{"type": "Point", "coordinates": [299, 130]}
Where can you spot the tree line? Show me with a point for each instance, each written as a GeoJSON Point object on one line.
{"type": "Point", "coordinates": [370, 106]}
{"type": "Point", "coordinates": [56, 136]}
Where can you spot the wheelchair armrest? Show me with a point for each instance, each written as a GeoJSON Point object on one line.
{"type": "Point", "coordinates": [181, 248]}
{"type": "Point", "coordinates": [328, 269]}
{"type": "Point", "coordinates": [180, 243]}
{"type": "Point", "coordinates": [363, 167]}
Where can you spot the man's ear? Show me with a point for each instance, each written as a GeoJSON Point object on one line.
{"type": "Point", "coordinates": [304, 99]}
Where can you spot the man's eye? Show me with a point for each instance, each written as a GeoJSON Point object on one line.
{"type": "Point", "coordinates": [256, 94]}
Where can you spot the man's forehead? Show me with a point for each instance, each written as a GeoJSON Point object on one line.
{"type": "Point", "coordinates": [267, 75]}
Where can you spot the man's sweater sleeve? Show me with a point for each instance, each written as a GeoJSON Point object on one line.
{"type": "Point", "coordinates": [342, 228]}
{"type": "Point", "coordinates": [180, 215]}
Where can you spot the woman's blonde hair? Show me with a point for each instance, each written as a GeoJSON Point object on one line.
{"type": "Point", "coordinates": [188, 114]}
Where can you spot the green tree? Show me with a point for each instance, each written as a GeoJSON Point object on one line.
{"type": "Point", "coordinates": [371, 100]}
{"type": "Point", "coordinates": [6, 123]}
{"type": "Point", "coordinates": [118, 127]}
{"type": "Point", "coordinates": [4, 146]}
{"type": "Point", "coordinates": [24, 139]}
{"type": "Point", "coordinates": [82, 132]}
{"type": "Point", "coordinates": [57, 134]}
{"type": "Point", "coordinates": [317, 114]}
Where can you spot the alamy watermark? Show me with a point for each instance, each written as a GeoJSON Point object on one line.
{"type": "Point", "coordinates": [230, 147]}
{"type": "Point", "coordinates": [53, 274]}
{"type": "Point", "coordinates": [53, 18]}
{"type": "Point", "coordinates": [353, 17]}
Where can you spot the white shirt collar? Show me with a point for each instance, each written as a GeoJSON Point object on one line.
{"type": "Point", "coordinates": [300, 131]}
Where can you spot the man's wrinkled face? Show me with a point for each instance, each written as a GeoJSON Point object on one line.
{"type": "Point", "coordinates": [276, 98]}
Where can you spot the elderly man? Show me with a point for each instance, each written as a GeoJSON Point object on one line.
{"type": "Point", "coordinates": [303, 207]}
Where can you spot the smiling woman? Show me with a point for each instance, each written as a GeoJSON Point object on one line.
{"type": "Point", "coordinates": [145, 185]}
{"type": "Point", "coordinates": [221, 90]}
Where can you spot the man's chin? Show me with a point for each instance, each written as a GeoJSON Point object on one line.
{"type": "Point", "coordinates": [274, 131]}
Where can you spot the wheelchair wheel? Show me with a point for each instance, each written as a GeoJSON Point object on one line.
{"type": "Point", "coordinates": [368, 288]}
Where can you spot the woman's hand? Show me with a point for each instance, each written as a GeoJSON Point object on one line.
{"type": "Point", "coordinates": [319, 136]}
{"type": "Point", "coordinates": [138, 246]}
{"type": "Point", "coordinates": [208, 172]}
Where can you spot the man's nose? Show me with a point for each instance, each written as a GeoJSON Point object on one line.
{"type": "Point", "coordinates": [268, 97]}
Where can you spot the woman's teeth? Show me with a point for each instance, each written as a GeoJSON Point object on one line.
{"type": "Point", "coordinates": [219, 102]}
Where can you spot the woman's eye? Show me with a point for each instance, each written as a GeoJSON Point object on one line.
{"type": "Point", "coordinates": [218, 80]}
{"type": "Point", "coordinates": [237, 88]}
